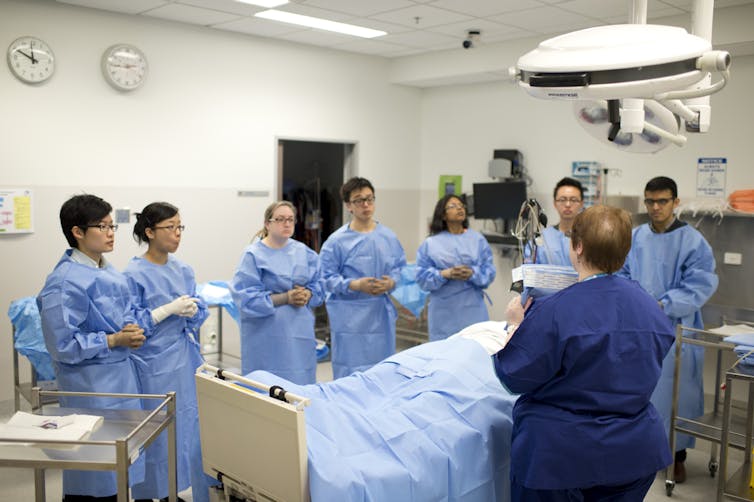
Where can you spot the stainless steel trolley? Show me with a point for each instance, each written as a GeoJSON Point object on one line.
{"type": "Point", "coordinates": [710, 425]}
{"type": "Point", "coordinates": [114, 446]}
{"type": "Point", "coordinates": [737, 486]}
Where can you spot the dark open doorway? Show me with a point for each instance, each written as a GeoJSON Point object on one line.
{"type": "Point", "coordinates": [311, 174]}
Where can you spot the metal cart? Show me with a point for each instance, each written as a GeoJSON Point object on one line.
{"type": "Point", "coordinates": [737, 486]}
{"type": "Point", "coordinates": [114, 446]}
{"type": "Point", "coordinates": [710, 425]}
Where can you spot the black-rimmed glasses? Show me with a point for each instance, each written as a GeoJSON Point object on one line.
{"type": "Point", "coordinates": [103, 227]}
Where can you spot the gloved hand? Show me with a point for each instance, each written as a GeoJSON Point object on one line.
{"type": "Point", "coordinates": [183, 306]}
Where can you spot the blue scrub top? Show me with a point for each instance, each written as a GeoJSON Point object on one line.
{"type": "Point", "coordinates": [277, 339]}
{"type": "Point", "coordinates": [586, 360]}
{"type": "Point", "coordinates": [362, 326]}
{"type": "Point", "coordinates": [556, 248]}
{"type": "Point", "coordinates": [167, 362]}
{"type": "Point", "coordinates": [453, 304]}
{"type": "Point", "coordinates": [79, 306]}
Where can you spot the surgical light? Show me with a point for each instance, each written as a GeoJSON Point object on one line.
{"type": "Point", "coordinates": [616, 68]}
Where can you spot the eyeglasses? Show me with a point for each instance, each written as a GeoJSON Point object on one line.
{"type": "Point", "coordinates": [455, 206]}
{"type": "Point", "coordinates": [659, 202]}
{"type": "Point", "coordinates": [171, 228]}
{"type": "Point", "coordinates": [571, 200]}
{"type": "Point", "coordinates": [103, 228]}
{"type": "Point", "coordinates": [360, 202]}
{"type": "Point", "coordinates": [282, 220]}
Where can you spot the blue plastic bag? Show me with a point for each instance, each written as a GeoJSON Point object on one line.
{"type": "Point", "coordinates": [408, 293]}
{"type": "Point", "coordinates": [28, 339]}
{"type": "Point", "coordinates": [218, 293]}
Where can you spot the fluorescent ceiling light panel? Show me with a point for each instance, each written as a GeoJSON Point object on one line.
{"type": "Point", "coordinates": [265, 3]}
{"type": "Point", "coordinates": [320, 24]}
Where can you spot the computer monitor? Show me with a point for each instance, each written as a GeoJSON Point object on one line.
{"type": "Point", "coordinates": [499, 200]}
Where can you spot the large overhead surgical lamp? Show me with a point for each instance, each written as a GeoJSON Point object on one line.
{"type": "Point", "coordinates": [638, 82]}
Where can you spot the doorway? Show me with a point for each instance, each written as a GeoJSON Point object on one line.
{"type": "Point", "coordinates": [311, 174]}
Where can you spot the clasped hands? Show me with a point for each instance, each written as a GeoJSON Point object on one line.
{"type": "Point", "coordinates": [457, 273]}
{"type": "Point", "coordinates": [372, 285]}
{"type": "Point", "coordinates": [298, 296]}
{"type": "Point", "coordinates": [131, 336]}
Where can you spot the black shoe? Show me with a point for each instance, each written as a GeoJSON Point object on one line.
{"type": "Point", "coordinates": [679, 472]}
{"type": "Point", "coordinates": [179, 499]}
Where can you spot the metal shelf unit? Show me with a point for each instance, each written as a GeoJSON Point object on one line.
{"type": "Point", "coordinates": [113, 446]}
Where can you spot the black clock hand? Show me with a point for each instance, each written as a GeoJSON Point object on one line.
{"type": "Point", "coordinates": [31, 50]}
{"type": "Point", "coordinates": [22, 52]}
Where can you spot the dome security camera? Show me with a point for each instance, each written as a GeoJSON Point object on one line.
{"type": "Point", "coordinates": [471, 36]}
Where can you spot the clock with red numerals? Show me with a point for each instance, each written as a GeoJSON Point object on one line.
{"type": "Point", "coordinates": [124, 67]}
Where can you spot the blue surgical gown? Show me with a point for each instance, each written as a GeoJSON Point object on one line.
{"type": "Point", "coordinates": [555, 249]}
{"type": "Point", "coordinates": [362, 326]}
{"type": "Point", "coordinates": [80, 305]}
{"type": "Point", "coordinates": [586, 360]}
{"type": "Point", "coordinates": [167, 362]}
{"type": "Point", "coordinates": [676, 268]}
{"type": "Point", "coordinates": [277, 339]}
{"type": "Point", "coordinates": [453, 304]}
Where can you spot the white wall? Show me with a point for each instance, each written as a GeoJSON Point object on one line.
{"type": "Point", "coordinates": [202, 127]}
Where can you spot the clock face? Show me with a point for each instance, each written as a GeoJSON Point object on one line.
{"type": "Point", "coordinates": [124, 67]}
{"type": "Point", "coordinates": [31, 60]}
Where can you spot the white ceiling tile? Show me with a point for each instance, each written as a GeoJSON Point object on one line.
{"type": "Point", "coordinates": [420, 39]}
{"type": "Point", "coordinates": [231, 6]}
{"type": "Point", "coordinates": [361, 8]}
{"type": "Point", "coordinates": [687, 5]}
{"type": "Point", "coordinates": [189, 14]}
{"type": "Point", "coordinates": [483, 8]}
{"type": "Point", "coordinates": [257, 26]}
{"type": "Point", "coordinates": [376, 24]}
{"type": "Point", "coordinates": [542, 19]}
{"type": "Point", "coordinates": [421, 17]}
{"type": "Point", "coordinates": [130, 7]}
{"type": "Point", "coordinates": [307, 10]}
{"type": "Point", "coordinates": [485, 26]}
{"type": "Point", "coordinates": [721, 4]}
{"type": "Point", "coordinates": [598, 8]}
{"type": "Point", "coordinates": [317, 37]}
{"type": "Point", "coordinates": [374, 47]}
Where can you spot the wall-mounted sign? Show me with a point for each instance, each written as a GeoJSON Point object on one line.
{"type": "Point", "coordinates": [710, 177]}
{"type": "Point", "coordinates": [16, 215]}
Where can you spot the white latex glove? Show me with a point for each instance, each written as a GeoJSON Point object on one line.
{"type": "Point", "coordinates": [184, 306]}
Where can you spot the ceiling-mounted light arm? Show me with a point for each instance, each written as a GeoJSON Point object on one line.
{"type": "Point", "coordinates": [638, 14]}
{"type": "Point", "coordinates": [613, 116]}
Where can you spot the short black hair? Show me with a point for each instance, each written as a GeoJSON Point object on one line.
{"type": "Point", "coordinates": [568, 182]}
{"type": "Point", "coordinates": [354, 183]}
{"type": "Point", "coordinates": [438, 223]}
{"type": "Point", "coordinates": [151, 216]}
{"type": "Point", "coordinates": [660, 183]}
{"type": "Point", "coordinates": [80, 211]}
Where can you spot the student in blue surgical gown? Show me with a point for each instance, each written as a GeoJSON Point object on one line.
{"type": "Point", "coordinates": [163, 288]}
{"type": "Point", "coordinates": [568, 197]}
{"type": "Point", "coordinates": [275, 286]}
{"type": "Point", "coordinates": [586, 360]}
{"type": "Point", "coordinates": [90, 326]}
{"type": "Point", "coordinates": [674, 263]}
{"type": "Point", "coordinates": [455, 265]}
{"type": "Point", "coordinates": [361, 262]}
